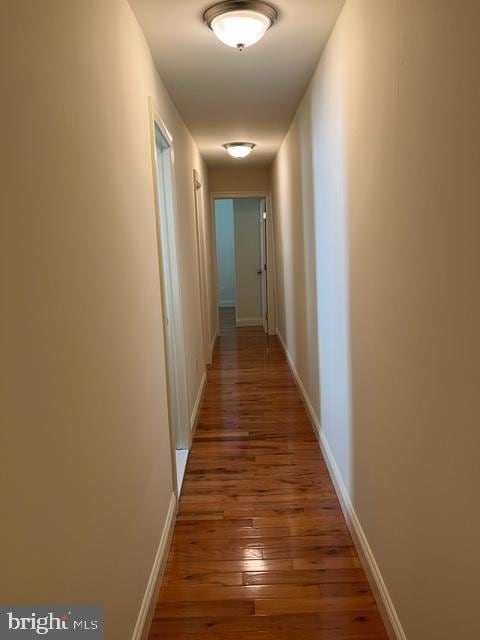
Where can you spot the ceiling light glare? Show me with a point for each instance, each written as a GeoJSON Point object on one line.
{"type": "Point", "coordinates": [239, 149]}
{"type": "Point", "coordinates": [240, 23]}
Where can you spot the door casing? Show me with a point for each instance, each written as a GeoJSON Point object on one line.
{"type": "Point", "coordinates": [180, 434]}
{"type": "Point", "coordinates": [270, 251]}
{"type": "Point", "coordinates": [202, 265]}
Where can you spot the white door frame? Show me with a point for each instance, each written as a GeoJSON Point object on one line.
{"type": "Point", "coordinates": [263, 261]}
{"type": "Point", "coordinates": [165, 205]}
{"type": "Point", "coordinates": [234, 195]}
{"type": "Point", "coordinates": [202, 265]}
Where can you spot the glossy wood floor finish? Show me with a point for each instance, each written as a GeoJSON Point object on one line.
{"type": "Point", "coordinates": [261, 549]}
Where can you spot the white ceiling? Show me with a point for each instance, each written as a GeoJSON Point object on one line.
{"type": "Point", "coordinates": [224, 95]}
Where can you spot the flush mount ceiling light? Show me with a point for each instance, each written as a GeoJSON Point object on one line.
{"type": "Point", "coordinates": [240, 23]}
{"type": "Point", "coordinates": [239, 149]}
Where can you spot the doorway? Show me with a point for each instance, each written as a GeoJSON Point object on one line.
{"type": "Point", "coordinates": [173, 331]}
{"type": "Point", "coordinates": [242, 264]}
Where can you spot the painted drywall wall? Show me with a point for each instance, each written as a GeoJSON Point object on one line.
{"type": "Point", "coordinates": [234, 180]}
{"type": "Point", "coordinates": [295, 253]}
{"type": "Point", "coordinates": [224, 225]}
{"type": "Point", "coordinates": [247, 261]}
{"type": "Point", "coordinates": [376, 201]}
{"type": "Point", "coordinates": [85, 451]}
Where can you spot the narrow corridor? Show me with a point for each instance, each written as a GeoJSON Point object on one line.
{"type": "Point", "coordinates": [312, 168]}
{"type": "Point", "coordinates": [261, 549]}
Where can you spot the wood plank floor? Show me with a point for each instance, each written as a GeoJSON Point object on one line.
{"type": "Point", "coordinates": [261, 549]}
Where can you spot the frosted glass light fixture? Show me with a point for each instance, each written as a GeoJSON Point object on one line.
{"type": "Point", "coordinates": [240, 23]}
{"type": "Point", "coordinates": [239, 149]}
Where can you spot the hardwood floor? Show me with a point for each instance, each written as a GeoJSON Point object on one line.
{"type": "Point", "coordinates": [261, 549]}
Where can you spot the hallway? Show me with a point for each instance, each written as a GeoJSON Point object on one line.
{"type": "Point", "coordinates": [261, 549]}
{"type": "Point", "coordinates": [242, 235]}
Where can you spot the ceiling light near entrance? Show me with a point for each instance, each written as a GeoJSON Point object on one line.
{"type": "Point", "coordinates": [240, 23]}
{"type": "Point", "coordinates": [239, 149]}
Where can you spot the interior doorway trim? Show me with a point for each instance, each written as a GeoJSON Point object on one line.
{"type": "Point", "coordinates": [167, 247]}
{"type": "Point", "coordinates": [266, 195]}
{"type": "Point", "coordinates": [202, 264]}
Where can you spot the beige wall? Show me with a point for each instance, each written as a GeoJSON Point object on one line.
{"type": "Point", "coordinates": [377, 206]}
{"type": "Point", "coordinates": [228, 180]}
{"type": "Point", "coordinates": [295, 261]}
{"type": "Point", "coordinates": [86, 477]}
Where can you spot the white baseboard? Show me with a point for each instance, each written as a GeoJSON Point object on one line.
{"type": "Point", "coordinates": [198, 401]}
{"type": "Point", "coordinates": [226, 303]}
{"type": "Point", "coordinates": [310, 410]}
{"type": "Point", "coordinates": [249, 322]}
{"type": "Point", "coordinates": [377, 583]}
{"type": "Point", "coordinates": [147, 608]}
